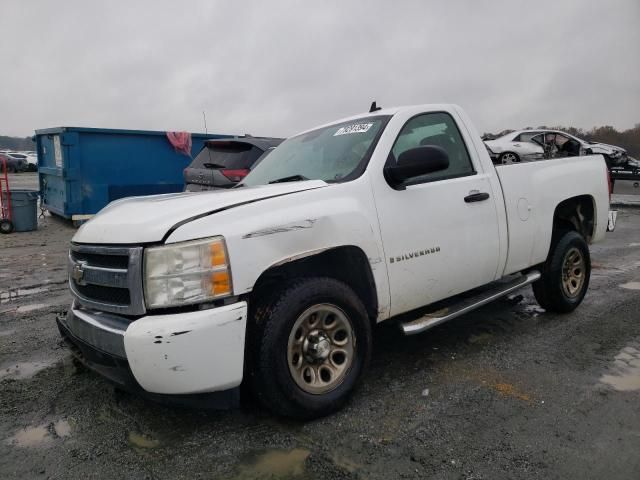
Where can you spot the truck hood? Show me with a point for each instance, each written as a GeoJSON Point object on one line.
{"type": "Point", "coordinates": [137, 220]}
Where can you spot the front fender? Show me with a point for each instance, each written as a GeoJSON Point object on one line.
{"type": "Point", "coordinates": [278, 230]}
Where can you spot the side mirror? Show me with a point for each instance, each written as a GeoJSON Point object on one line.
{"type": "Point", "coordinates": [415, 162]}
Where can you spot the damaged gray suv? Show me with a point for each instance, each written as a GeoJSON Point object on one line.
{"type": "Point", "coordinates": [225, 162]}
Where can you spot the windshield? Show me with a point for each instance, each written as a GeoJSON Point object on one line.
{"type": "Point", "coordinates": [338, 153]}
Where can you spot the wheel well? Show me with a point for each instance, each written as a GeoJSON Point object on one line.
{"type": "Point", "coordinates": [348, 264]}
{"type": "Point", "coordinates": [576, 213]}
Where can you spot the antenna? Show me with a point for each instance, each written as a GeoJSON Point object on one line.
{"type": "Point", "coordinates": [374, 107]}
{"type": "Point", "coordinates": [206, 145]}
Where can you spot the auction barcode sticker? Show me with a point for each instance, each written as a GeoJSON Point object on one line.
{"type": "Point", "coordinates": [355, 128]}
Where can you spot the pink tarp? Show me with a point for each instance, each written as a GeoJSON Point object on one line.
{"type": "Point", "coordinates": [181, 141]}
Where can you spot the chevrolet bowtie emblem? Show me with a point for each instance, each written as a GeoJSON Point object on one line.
{"type": "Point", "coordinates": [78, 273]}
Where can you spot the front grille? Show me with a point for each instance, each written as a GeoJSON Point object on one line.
{"type": "Point", "coordinates": [113, 295]}
{"type": "Point", "coordinates": [107, 278]}
{"type": "Point", "coordinates": [98, 260]}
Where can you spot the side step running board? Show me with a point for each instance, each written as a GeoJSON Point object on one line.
{"type": "Point", "coordinates": [452, 311]}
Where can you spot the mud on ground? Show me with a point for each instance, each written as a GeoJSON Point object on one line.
{"type": "Point", "coordinates": [508, 391]}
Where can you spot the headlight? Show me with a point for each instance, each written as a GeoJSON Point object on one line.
{"type": "Point", "coordinates": [186, 273]}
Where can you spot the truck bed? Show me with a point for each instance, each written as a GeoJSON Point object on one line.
{"type": "Point", "coordinates": [531, 192]}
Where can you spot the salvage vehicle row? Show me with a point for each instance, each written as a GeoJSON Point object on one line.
{"type": "Point", "coordinates": [531, 145]}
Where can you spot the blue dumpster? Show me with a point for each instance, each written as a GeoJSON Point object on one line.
{"type": "Point", "coordinates": [81, 170]}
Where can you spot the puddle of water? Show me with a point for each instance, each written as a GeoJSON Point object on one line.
{"type": "Point", "coordinates": [40, 435]}
{"type": "Point", "coordinates": [610, 271]}
{"type": "Point", "coordinates": [534, 309]}
{"type": "Point", "coordinates": [24, 370]}
{"type": "Point", "coordinates": [140, 440]}
{"type": "Point", "coordinates": [30, 437]}
{"type": "Point", "coordinates": [631, 285]}
{"type": "Point", "coordinates": [11, 295]}
{"type": "Point", "coordinates": [32, 307]}
{"type": "Point", "coordinates": [625, 374]}
{"type": "Point", "coordinates": [276, 464]}
{"type": "Point", "coordinates": [62, 428]}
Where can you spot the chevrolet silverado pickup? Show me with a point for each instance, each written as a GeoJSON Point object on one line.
{"type": "Point", "coordinates": [395, 215]}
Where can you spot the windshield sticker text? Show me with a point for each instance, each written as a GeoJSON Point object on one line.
{"type": "Point", "coordinates": [355, 128]}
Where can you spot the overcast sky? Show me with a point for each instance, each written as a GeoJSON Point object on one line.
{"type": "Point", "coordinates": [274, 68]}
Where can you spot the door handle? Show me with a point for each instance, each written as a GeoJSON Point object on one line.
{"type": "Point", "coordinates": [476, 196]}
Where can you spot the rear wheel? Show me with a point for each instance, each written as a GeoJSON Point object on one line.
{"type": "Point", "coordinates": [509, 157]}
{"type": "Point", "coordinates": [6, 226]}
{"type": "Point", "coordinates": [311, 343]}
{"type": "Point", "coordinates": [565, 274]}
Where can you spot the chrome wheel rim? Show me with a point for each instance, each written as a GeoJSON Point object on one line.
{"type": "Point", "coordinates": [321, 348]}
{"type": "Point", "coordinates": [573, 272]}
{"type": "Point", "coordinates": [509, 158]}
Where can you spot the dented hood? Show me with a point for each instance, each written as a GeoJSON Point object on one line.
{"type": "Point", "coordinates": [138, 220]}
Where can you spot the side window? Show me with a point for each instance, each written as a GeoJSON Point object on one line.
{"type": "Point", "coordinates": [437, 129]}
{"type": "Point", "coordinates": [569, 147]}
{"type": "Point", "coordinates": [524, 137]}
{"type": "Point", "coordinates": [539, 139]}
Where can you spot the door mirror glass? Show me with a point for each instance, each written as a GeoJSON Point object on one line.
{"type": "Point", "coordinates": [415, 162]}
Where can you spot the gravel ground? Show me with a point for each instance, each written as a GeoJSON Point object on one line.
{"type": "Point", "coordinates": [508, 391]}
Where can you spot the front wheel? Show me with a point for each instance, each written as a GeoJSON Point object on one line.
{"type": "Point", "coordinates": [311, 343]}
{"type": "Point", "coordinates": [565, 274]}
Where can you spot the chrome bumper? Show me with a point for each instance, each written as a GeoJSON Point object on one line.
{"type": "Point", "coordinates": [103, 331]}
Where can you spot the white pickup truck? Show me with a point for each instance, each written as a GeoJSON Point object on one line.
{"type": "Point", "coordinates": [398, 214]}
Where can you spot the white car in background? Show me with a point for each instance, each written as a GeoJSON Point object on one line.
{"type": "Point", "coordinates": [514, 147]}
{"type": "Point", "coordinates": [529, 145]}
{"type": "Point", "coordinates": [32, 160]}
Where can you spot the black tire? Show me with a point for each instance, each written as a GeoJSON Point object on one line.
{"type": "Point", "coordinates": [507, 158]}
{"type": "Point", "coordinates": [6, 226]}
{"type": "Point", "coordinates": [551, 291]}
{"type": "Point", "coordinates": [274, 318]}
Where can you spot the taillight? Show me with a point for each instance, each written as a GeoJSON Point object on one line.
{"type": "Point", "coordinates": [610, 184]}
{"type": "Point", "coordinates": [235, 175]}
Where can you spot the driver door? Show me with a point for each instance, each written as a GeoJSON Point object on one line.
{"type": "Point", "coordinates": [439, 230]}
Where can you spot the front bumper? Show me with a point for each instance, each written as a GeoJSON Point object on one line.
{"type": "Point", "coordinates": [187, 357]}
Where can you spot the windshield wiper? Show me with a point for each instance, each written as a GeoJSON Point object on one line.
{"type": "Point", "coordinates": [290, 178]}
{"type": "Point", "coordinates": [213, 165]}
